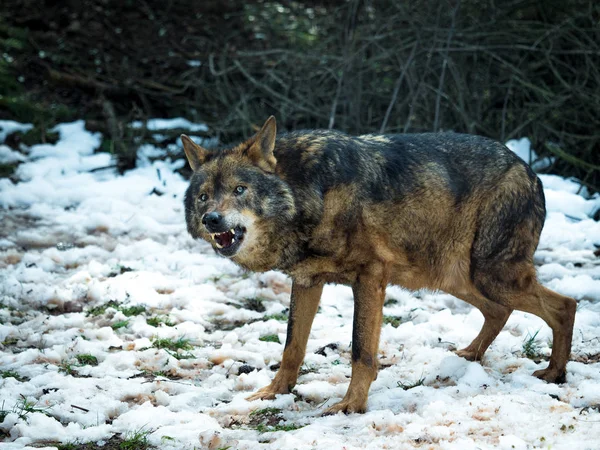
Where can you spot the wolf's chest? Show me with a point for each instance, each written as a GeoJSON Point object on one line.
{"type": "Point", "coordinates": [319, 269]}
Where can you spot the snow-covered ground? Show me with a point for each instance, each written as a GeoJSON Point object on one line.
{"type": "Point", "coordinates": [80, 246]}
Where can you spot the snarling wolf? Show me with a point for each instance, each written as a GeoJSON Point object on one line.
{"type": "Point", "coordinates": [441, 211]}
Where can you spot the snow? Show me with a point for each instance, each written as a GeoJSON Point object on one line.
{"type": "Point", "coordinates": [74, 239]}
{"type": "Point", "coordinates": [10, 126]}
{"type": "Point", "coordinates": [522, 148]}
{"type": "Point", "coordinates": [169, 124]}
{"type": "Point", "coordinates": [9, 156]}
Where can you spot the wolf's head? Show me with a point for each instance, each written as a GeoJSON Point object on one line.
{"type": "Point", "coordinates": [236, 201]}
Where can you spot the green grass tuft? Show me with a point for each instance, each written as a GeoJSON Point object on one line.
{"type": "Point", "coordinates": [68, 446]}
{"type": "Point", "coordinates": [268, 420]}
{"type": "Point", "coordinates": [128, 311]}
{"type": "Point", "coordinates": [12, 374]}
{"type": "Point", "coordinates": [87, 359]}
{"type": "Point", "coordinates": [392, 320]}
{"type": "Point", "coordinates": [120, 324]}
{"type": "Point", "coordinates": [129, 442]}
{"type": "Point", "coordinates": [254, 304]}
{"type": "Point", "coordinates": [270, 338]}
{"type": "Point", "coordinates": [10, 340]}
{"type": "Point", "coordinates": [138, 440]}
{"type": "Point", "coordinates": [407, 386]}
{"type": "Point", "coordinates": [133, 310]}
{"type": "Point", "coordinates": [531, 349]}
{"type": "Point", "coordinates": [265, 412]}
{"type": "Point", "coordinates": [279, 427]}
{"type": "Point", "coordinates": [172, 344]}
{"type": "Point", "coordinates": [22, 408]}
{"type": "Point", "coordinates": [158, 320]}
{"type": "Point", "coordinates": [179, 356]}
{"type": "Point", "coordinates": [119, 269]}
{"type": "Point", "coordinates": [101, 309]}
{"type": "Point", "coordinates": [67, 368]}
{"type": "Point", "coordinates": [279, 317]}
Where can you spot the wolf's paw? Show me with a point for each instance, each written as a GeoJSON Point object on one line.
{"type": "Point", "coordinates": [347, 407]}
{"type": "Point", "coordinates": [266, 393]}
{"type": "Point", "coordinates": [470, 355]}
{"type": "Point", "coordinates": [551, 375]}
{"type": "Point", "coordinates": [269, 392]}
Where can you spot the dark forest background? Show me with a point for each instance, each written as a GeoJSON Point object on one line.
{"type": "Point", "coordinates": [504, 69]}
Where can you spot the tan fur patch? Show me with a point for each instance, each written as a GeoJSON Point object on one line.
{"type": "Point", "coordinates": [375, 138]}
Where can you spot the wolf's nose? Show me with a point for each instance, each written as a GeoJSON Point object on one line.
{"type": "Point", "coordinates": [212, 219]}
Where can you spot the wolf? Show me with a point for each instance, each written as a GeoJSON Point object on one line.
{"type": "Point", "coordinates": [441, 211]}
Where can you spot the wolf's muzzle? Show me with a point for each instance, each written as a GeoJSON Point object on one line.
{"type": "Point", "coordinates": [213, 221]}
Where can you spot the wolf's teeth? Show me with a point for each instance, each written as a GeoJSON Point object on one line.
{"type": "Point", "coordinates": [232, 240]}
{"type": "Point", "coordinates": [232, 231]}
{"type": "Point", "coordinates": [218, 245]}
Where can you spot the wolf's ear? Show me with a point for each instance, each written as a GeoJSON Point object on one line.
{"type": "Point", "coordinates": [196, 155]}
{"type": "Point", "coordinates": [261, 151]}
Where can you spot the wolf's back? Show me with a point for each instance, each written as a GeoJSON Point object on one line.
{"type": "Point", "coordinates": [390, 166]}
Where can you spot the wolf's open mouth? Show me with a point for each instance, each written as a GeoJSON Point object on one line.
{"type": "Point", "coordinates": [228, 238]}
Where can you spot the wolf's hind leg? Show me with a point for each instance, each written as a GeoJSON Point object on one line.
{"type": "Point", "coordinates": [304, 303]}
{"type": "Point", "coordinates": [558, 312]}
{"type": "Point", "coordinates": [515, 286]}
{"type": "Point", "coordinates": [495, 317]}
{"type": "Point", "coordinates": [502, 269]}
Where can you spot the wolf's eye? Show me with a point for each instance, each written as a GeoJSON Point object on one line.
{"type": "Point", "coordinates": [203, 197]}
{"type": "Point", "coordinates": [239, 190]}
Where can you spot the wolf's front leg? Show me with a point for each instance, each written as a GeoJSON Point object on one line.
{"type": "Point", "coordinates": [369, 295]}
{"type": "Point", "coordinates": [303, 307]}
